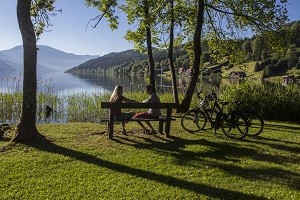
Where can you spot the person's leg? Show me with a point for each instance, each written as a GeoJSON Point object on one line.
{"type": "Point", "coordinates": [123, 127]}
{"type": "Point", "coordinates": [143, 127]}
{"type": "Point", "coordinates": [150, 126]}
{"type": "Point", "coordinates": [141, 115]}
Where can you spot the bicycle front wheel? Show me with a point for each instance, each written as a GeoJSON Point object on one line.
{"type": "Point", "coordinates": [234, 126]}
{"type": "Point", "coordinates": [193, 121]}
{"type": "Point", "coordinates": [255, 123]}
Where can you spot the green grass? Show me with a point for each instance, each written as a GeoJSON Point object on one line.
{"type": "Point", "coordinates": [80, 162]}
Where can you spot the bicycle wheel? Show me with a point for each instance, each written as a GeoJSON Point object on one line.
{"type": "Point", "coordinates": [234, 126]}
{"type": "Point", "coordinates": [255, 123]}
{"type": "Point", "coordinates": [193, 121]}
{"type": "Point", "coordinates": [212, 115]}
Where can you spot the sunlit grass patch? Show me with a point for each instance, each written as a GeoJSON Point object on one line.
{"type": "Point", "coordinates": [79, 162]}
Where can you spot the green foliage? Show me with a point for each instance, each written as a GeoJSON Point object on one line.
{"type": "Point", "coordinates": [131, 61]}
{"type": "Point", "coordinates": [258, 45]}
{"type": "Point", "coordinates": [40, 12]}
{"type": "Point", "coordinates": [273, 101]}
{"type": "Point", "coordinates": [260, 66]}
{"type": "Point", "coordinates": [298, 65]}
{"type": "Point", "coordinates": [292, 57]}
{"type": "Point", "coordinates": [107, 8]}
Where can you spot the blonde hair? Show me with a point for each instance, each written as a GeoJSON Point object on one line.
{"type": "Point", "coordinates": [117, 93]}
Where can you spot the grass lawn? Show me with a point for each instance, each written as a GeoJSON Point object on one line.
{"type": "Point", "coordinates": [79, 162]}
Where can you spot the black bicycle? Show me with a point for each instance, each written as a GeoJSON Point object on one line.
{"type": "Point", "coordinates": [255, 121]}
{"type": "Point", "coordinates": [232, 124]}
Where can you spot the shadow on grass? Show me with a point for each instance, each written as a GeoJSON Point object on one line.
{"type": "Point", "coordinates": [270, 174]}
{"type": "Point", "coordinates": [279, 127]}
{"type": "Point", "coordinates": [168, 180]}
{"type": "Point", "coordinates": [218, 150]}
{"type": "Point", "coordinates": [276, 144]}
{"type": "Point", "coordinates": [232, 152]}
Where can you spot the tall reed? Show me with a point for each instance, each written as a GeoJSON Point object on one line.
{"type": "Point", "coordinates": [273, 101]}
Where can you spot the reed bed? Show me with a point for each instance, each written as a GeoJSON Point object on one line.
{"type": "Point", "coordinates": [273, 101]}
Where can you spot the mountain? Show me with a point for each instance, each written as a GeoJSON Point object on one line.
{"type": "Point", "coordinates": [5, 66]}
{"type": "Point", "coordinates": [9, 63]}
{"type": "Point", "coordinates": [129, 60]}
{"type": "Point", "coordinates": [112, 59]}
{"type": "Point", "coordinates": [48, 58]}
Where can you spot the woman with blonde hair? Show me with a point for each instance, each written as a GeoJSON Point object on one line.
{"type": "Point", "coordinates": [117, 96]}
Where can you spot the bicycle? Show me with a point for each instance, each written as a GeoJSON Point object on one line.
{"type": "Point", "coordinates": [255, 121]}
{"type": "Point", "coordinates": [232, 124]}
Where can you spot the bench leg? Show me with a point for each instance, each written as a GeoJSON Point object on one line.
{"type": "Point", "coordinates": [167, 129]}
{"type": "Point", "coordinates": [160, 127]}
{"type": "Point", "coordinates": [110, 130]}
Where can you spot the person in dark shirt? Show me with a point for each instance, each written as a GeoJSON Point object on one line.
{"type": "Point", "coordinates": [152, 113]}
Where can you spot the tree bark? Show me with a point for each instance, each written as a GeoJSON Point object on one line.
{"type": "Point", "coordinates": [149, 45]}
{"type": "Point", "coordinates": [26, 129]}
{"type": "Point", "coordinates": [186, 102]}
{"type": "Point", "coordinates": [170, 55]}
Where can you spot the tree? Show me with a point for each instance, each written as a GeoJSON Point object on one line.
{"type": "Point", "coordinates": [26, 130]}
{"type": "Point", "coordinates": [185, 104]}
{"type": "Point", "coordinates": [220, 19]}
{"type": "Point", "coordinates": [258, 47]}
{"type": "Point", "coordinates": [211, 19]}
{"type": "Point", "coordinates": [140, 11]}
{"type": "Point", "coordinates": [292, 56]}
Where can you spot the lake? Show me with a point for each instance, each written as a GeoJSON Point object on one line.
{"type": "Point", "coordinates": [64, 83]}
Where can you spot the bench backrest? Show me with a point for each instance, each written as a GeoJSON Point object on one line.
{"type": "Point", "coordinates": [137, 105]}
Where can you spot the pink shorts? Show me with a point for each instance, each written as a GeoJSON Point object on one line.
{"type": "Point", "coordinates": [144, 115]}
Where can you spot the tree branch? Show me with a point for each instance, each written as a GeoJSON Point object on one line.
{"type": "Point", "coordinates": [235, 13]}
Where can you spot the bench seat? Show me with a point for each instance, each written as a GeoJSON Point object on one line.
{"type": "Point", "coordinates": [161, 121]}
{"type": "Point", "coordinates": [164, 122]}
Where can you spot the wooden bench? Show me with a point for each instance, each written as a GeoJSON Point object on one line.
{"type": "Point", "coordinates": [112, 106]}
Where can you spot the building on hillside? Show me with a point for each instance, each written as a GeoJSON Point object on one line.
{"type": "Point", "coordinates": [237, 75]}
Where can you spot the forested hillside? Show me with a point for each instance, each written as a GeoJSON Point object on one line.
{"type": "Point", "coordinates": [273, 53]}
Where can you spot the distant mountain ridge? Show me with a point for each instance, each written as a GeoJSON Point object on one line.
{"type": "Point", "coordinates": [129, 60]}
{"type": "Point", "coordinates": [49, 58]}
{"type": "Point", "coordinates": [111, 59]}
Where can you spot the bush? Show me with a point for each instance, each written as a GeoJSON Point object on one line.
{"type": "Point", "coordinates": [260, 66]}
{"type": "Point", "coordinates": [280, 67]}
{"type": "Point", "coordinates": [297, 65]}
{"type": "Point", "coordinates": [273, 101]}
{"type": "Point", "coordinates": [268, 71]}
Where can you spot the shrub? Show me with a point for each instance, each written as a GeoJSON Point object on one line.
{"type": "Point", "coordinates": [261, 66]}
{"type": "Point", "coordinates": [272, 101]}
{"type": "Point", "coordinates": [280, 67]}
{"type": "Point", "coordinates": [297, 65]}
{"type": "Point", "coordinates": [268, 71]}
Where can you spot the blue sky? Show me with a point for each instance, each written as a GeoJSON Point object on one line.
{"type": "Point", "coordinates": [69, 33]}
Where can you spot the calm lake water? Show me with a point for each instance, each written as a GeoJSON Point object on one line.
{"type": "Point", "coordinates": [63, 83]}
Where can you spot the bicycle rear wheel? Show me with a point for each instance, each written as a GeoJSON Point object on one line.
{"type": "Point", "coordinates": [193, 121]}
{"type": "Point", "coordinates": [212, 115]}
{"type": "Point", "coordinates": [234, 126]}
{"type": "Point", "coordinates": [255, 123]}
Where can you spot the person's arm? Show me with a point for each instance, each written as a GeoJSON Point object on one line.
{"type": "Point", "coordinates": [127, 100]}
{"type": "Point", "coordinates": [147, 100]}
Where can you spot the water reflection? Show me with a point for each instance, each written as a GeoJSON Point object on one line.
{"type": "Point", "coordinates": [64, 83]}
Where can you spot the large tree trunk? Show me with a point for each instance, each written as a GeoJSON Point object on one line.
{"type": "Point", "coordinates": [186, 102]}
{"type": "Point", "coordinates": [149, 45]}
{"type": "Point", "coordinates": [170, 55]}
{"type": "Point", "coordinates": [26, 130]}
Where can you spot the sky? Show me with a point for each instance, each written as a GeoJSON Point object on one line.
{"type": "Point", "coordinates": [69, 32]}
